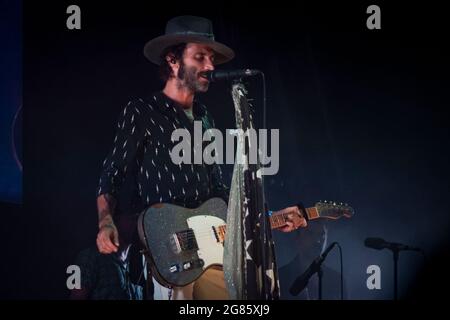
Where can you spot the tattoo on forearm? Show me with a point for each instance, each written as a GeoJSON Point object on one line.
{"type": "Point", "coordinates": [111, 202]}
{"type": "Point", "coordinates": [106, 206]}
{"type": "Point", "coordinates": [103, 214]}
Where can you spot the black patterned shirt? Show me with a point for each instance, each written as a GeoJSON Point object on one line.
{"type": "Point", "coordinates": [143, 141]}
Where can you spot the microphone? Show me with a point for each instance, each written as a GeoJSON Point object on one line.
{"type": "Point", "coordinates": [218, 75]}
{"type": "Point", "coordinates": [379, 244]}
{"type": "Point", "coordinates": [301, 282]}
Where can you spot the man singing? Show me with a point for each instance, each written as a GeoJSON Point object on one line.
{"type": "Point", "coordinates": [143, 141]}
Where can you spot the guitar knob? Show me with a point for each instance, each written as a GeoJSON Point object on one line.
{"type": "Point", "coordinates": [186, 265]}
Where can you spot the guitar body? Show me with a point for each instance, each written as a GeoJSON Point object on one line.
{"type": "Point", "coordinates": [182, 243]}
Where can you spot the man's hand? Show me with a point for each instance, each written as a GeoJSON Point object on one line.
{"type": "Point", "coordinates": [108, 236]}
{"type": "Point", "coordinates": [294, 221]}
{"type": "Point", "coordinates": [108, 239]}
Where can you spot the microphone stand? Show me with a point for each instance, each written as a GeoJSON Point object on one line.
{"type": "Point", "coordinates": [379, 244]}
{"type": "Point", "coordinates": [319, 275]}
{"type": "Point", "coordinates": [316, 267]}
{"type": "Point", "coordinates": [256, 190]}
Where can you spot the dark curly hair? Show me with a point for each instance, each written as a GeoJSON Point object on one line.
{"type": "Point", "coordinates": [165, 71]}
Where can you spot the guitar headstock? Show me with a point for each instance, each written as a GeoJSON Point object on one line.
{"type": "Point", "coordinates": [334, 210]}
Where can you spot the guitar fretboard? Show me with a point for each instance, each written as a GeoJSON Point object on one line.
{"type": "Point", "coordinates": [276, 221]}
{"type": "Point", "coordinates": [279, 220]}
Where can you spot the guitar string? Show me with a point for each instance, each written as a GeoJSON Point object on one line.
{"type": "Point", "coordinates": [202, 233]}
{"type": "Point", "coordinates": [208, 233]}
{"type": "Point", "coordinates": [209, 230]}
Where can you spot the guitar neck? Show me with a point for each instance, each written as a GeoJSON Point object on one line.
{"type": "Point", "coordinates": [278, 220]}
{"type": "Point", "coordinates": [323, 210]}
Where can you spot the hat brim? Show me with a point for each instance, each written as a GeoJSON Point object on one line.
{"type": "Point", "coordinates": [155, 47]}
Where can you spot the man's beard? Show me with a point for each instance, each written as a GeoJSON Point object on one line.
{"type": "Point", "coordinates": [190, 79]}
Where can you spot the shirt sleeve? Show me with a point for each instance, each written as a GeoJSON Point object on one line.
{"type": "Point", "coordinates": [127, 142]}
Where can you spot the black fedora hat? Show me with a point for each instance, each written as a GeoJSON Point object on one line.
{"type": "Point", "coordinates": [187, 29]}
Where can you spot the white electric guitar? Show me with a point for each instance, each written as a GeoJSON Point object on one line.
{"type": "Point", "coordinates": [182, 243]}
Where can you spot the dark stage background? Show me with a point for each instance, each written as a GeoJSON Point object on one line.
{"type": "Point", "coordinates": [11, 102]}
{"type": "Point", "coordinates": [362, 118]}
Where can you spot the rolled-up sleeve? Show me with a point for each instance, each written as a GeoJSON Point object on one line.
{"type": "Point", "coordinates": [128, 140]}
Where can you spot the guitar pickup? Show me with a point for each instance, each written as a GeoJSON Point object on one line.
{"type": "Point", "coordinates": [183, 241]}
{"type": "Point", "coordinates": [175, 243]}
